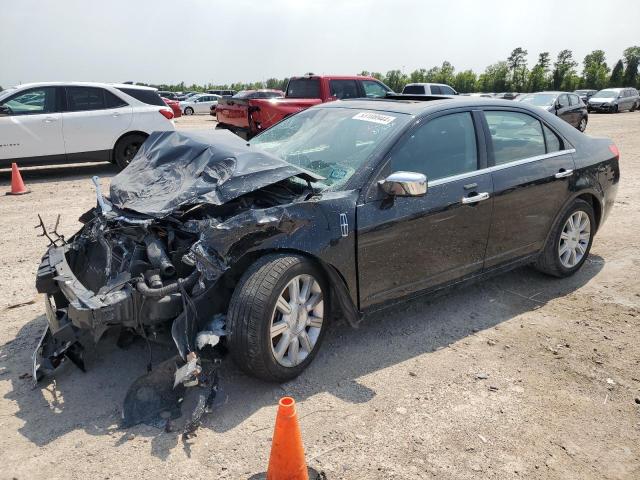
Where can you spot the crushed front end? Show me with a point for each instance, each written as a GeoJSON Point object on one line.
{"type": "Point", "coordinates": [151, 258]}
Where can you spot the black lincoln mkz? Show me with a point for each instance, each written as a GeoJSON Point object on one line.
{"type": "Point", "coordinates": [333, 212]}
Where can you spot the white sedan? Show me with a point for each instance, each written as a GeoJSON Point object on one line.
{"type": "Point", "coordinates": [200, 103]}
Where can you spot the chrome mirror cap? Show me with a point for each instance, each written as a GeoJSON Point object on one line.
{"type": "Point", "coordinates": [405, 184]}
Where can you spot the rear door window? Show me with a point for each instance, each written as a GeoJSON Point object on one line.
{"type": "Point", "coordinates": [343, 89]}
{"type": "Point", "coordinates": [515, 136]}
{"type": "Point", "coordinates": [554, 143]}
{"type": "Point", "coordinates": [81, 99]}
{"type": "Point", "coordinates": [303, 88]}
{"type": "Point", "coordinates": [113, 101]}
{"type": "Point", "coordinates": [443, 147]}
{"type": "Point", "coordinates": [150, 97]}
{"type": "Point", "coordinates": [563, 101]}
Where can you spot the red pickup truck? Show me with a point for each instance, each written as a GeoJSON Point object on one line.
{"type": "Point", "coordinates": [249, 117]}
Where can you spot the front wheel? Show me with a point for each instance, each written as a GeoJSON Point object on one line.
{"type": "Point", "coordinates": [188, 111]}
{"type": "Point", "coordinates": [569, 242]}
{"type": "Point", "coordinates": [126, 149]}
{"type": "Point", "coordinates": [277, 317]}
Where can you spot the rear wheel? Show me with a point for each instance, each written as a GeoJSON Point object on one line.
{"type": "Point", "coordinates": [278, 317]}
{"type": "Point", "coordinates": [582, 126]}
{"type": "Point", "coordinates": [126, 149]}
{"type": "Point", "coordinates": [569, 242]}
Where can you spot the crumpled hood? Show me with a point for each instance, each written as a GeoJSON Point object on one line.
{"type": "Point", "coordinates": [175, 169]}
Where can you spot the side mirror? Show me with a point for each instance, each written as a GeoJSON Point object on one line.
{"type": "Point", "coordinates": [4, 110]}
{"type": "Point", "coordinates": [404, 184]}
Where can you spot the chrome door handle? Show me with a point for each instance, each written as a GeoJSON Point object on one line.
{"type": "Point", "coordinates": [476, 198]}
{"type": "Point", "coordinates": [50, 119]}
{"type": "Point", "coordinates": [564, 173]}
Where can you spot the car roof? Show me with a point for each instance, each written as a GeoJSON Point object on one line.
{"type": "Point", "coordinates": [419, 107]}
{"type": "Point", "coordinates": [552, 92]}
{"type": "Point", "coordinates": [425, 84]}
{"type": "Point", "coordinates": [83, 84]}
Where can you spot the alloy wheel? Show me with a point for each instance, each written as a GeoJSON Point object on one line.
{"type": "Point", "coordinates": [130, 152]}
{"type": "Point", "coordinates": [583, 125]}
{"type": "Point", "coordinates": [574, 239]}
{"type": "Point", "coordinates": [297, 320]}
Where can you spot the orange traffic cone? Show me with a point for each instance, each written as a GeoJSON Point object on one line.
{"type": "Point", "coordinates": [17, 185]}
{"type": "Point", "coordinates": [287, 454]}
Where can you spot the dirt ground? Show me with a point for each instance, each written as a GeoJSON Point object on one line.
{"type": "Point", "coordinates": [398, 398]}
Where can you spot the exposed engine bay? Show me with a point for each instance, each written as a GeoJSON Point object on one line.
{"type": "Point", "coordinates": [156, 260]}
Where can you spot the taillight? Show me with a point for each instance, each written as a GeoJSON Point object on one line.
{"type": "Point", "coordinates": [614, 150]}
{"type": "Point", "coordinates": [166, 113]}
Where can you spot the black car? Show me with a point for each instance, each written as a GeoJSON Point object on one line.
{"type": "Point", "coordinates": [585, 94]}
{"type": "Point", "coordinates": [336, 211]}
{"type": "Point", "coordinates": [567, 106]}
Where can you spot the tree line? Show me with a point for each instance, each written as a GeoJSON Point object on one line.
{"type": "Point", "coordinates": [514, 74]}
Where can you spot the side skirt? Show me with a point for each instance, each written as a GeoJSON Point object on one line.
{"type": "Point", "coordinates": [439, 290]}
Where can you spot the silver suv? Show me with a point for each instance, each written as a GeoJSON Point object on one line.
{"type": "Point", "coordinates": [614, 100]}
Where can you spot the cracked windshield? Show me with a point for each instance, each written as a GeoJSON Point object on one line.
{"type": "Point", "coordinates": [330, 142]}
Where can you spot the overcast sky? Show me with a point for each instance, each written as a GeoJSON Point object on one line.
{"type": "Point", "coordinates": [241, 40]}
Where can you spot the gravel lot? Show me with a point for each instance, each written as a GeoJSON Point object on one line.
{"type": "Point", "coordinates": [398, 398]}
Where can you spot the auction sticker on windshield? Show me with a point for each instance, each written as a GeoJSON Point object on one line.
{"type": "Point", "coordinates": [374, 117]}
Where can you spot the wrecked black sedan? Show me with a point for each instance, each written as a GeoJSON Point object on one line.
{"type": "Point", "coordinates": [333, 212]}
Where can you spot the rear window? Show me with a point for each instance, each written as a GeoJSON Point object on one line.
{"type": "Point", "coordinates": [150, 97]}
{"type": "Point", "coordinates": [414, 89]}
{"type": "Point", "coordinates": [303, 88]}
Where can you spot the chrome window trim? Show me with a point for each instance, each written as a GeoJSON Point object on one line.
{"type": "Point", "coordinates": [495, 168]}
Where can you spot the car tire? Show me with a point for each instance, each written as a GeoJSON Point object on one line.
{"type": "Point", "coordinates": [582, 126]}
{"type": "Point", "coordinates": [633, 109]}
{"type": "Point", "coordinates": [615, 109]}
{"type": "Point", "coordinates": [126, 149]}
{"type": "Point", "coordinates": [264, 341]}
{"type": "Point", "coordinates": [188, 111]}
{"type": "Point", "coordinates": [561, 256]}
